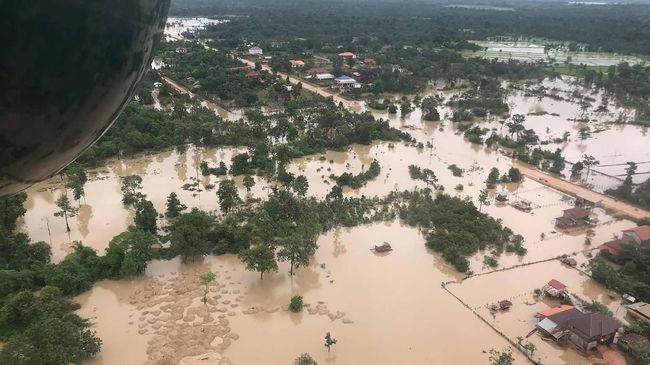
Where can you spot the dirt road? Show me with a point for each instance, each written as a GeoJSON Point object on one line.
{"type": "Point", "coordinates": [221, 111]}
{"type": "Point", "coordinates": [608, 202]}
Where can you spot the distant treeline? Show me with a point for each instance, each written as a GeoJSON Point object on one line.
{"type": "Point", "coordinates": [349, 23]}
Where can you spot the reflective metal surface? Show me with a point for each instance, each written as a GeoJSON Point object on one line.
{"type": "Point", "coordinates": [67, 68]}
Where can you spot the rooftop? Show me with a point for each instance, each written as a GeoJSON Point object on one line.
{"type": "Point", "coordinates": [642, 231]}
{"type": "Point", "coordinates": [591, 325]}
{"type": "Point", "coordinates": [556, 285]}
{"type": "Point", "coordinates": [578, 213]}
{"type": "Point", "coordinates": [552, 311]}
{"type": "Point", "coordinates": [640, 307]}
{"type": "Point", "coordinates": [614, 246]}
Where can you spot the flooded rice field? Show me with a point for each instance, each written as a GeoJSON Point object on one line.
{"type": "Point", "coordinates": [530, 51]}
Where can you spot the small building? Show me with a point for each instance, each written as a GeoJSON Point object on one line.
{"type": "Point", "coordinates": [288, 87]}
{"type": "Point", "coordinates": [356, 74]}
{"type": "Point", "coordinates": [325, 76]}
{"type": "Point", "coordinates": [253, 74]}
{"type": "Point", "coordinates": [569, 261]}
{"type": "Point", "coordinates": [344, 81]}
{"type": "Point", "coordinates": [347, 55]}
{"type": "Point", "coordinates": [297, 63]}
{"type": "Point", "coordinates": [384, 247]}
{"type": "Point", "coordinates": [555, 289]}
{"type": "Point", "coordinates": [523, 205]}
{"type": "Point", "coordinates": [583, 202]}
{"type": "Point", "coordinates": [502, 196]}
{"type": "Point", "coordinates": [639, 310]}
{"type": "Point", "coordinates": [574, 217]}
{"type": "Point", "coordinates": [369, 62]}
{"type": "Point", "coordinates": [316, 70]}
{"type": "Point", "coordinates": [255, 51]}
{"type": "Point", "coordinates": [181, 49]}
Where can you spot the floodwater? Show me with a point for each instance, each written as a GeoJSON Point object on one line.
{"type": "Point", "coordinates": [382, 309]}
{"type": "Point", "coordinates": [530, 51]}
{"type": "Point", "coordinates": [517, 286]}
{"type": "Point", "coordinates": [177, 25]}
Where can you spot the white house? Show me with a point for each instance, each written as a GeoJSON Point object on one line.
{"type": "Point", "coordinates": [255, 51]}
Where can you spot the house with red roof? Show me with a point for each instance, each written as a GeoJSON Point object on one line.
{"type": "Point", "coordinates": [347, 55]}
{"type": "Point", "coordinates": [640, 235]}
{"type": "Point", "coordinates": [631, 237]}
{"type": "Point", "coordinates": [574, 217]}
{"type": "Point", "coordinates": [555, 288]}
{"type": "Point", "coordinates": [297, 63]}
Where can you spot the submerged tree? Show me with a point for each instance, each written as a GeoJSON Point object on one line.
{"type": "Point", "coordinates": [589, 161]}
{"type": "Point", "coordinates": [297, 251]}
{"type": "Point", "coordinates": [76, 179]}
{"type": "Point", "coordinates": [206, 279]}
{"type": "Point", "coordinates": [145, 216]}
{"type": "Point", "coordinates": [189, 234]}
{"type": "Point", "coordinates": [483, 199]}
{"type": "Point", "coordinates": [249, 182]}
{"type": "Point", "coordinates": [174, 206]}
{"type": "Point", "coordinates": [131, 186]}
{"type": "Point", "coordinates": [259, 257]}
{"type": "Point", "coordinates": [66, 209]}
{"type": "Point", "coordinates": [329, 341]}
{"type": "Point", "coordinates": [228, 196]}
{"type": "Point", "coordinates": [501, 357]}
{"type": "Point", "coordinates": [305, 359]}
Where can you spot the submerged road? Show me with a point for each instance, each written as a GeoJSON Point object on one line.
{"type": "Point", "coordinates": [608, 202]}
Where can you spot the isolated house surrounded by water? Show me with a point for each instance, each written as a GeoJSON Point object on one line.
{"type": "Point", "coordinates": [255, 51]}
{"type": "Point", "coordinates": [555, 289]}
{"type": "Point", "coordinates": [574, 217]}
{"type": "Point", "coordinates": [585, 330]}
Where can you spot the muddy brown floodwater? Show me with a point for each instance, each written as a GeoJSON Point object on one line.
{"type": "Point", "coordinates": [383, 309]}
{"type": "Point", "coordinates": [388, 309]}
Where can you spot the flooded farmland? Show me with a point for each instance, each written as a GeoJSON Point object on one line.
{"type": "Point", "coordinates": [383, 309]}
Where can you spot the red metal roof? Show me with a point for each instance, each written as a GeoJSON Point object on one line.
{"type": "Point", "coordinates": [317, 70]}
{"type": "Point", "coordinates": [346, 54]}
{"type": "Point", "coordinates": [556, 284]}
{"type": "Point", "coordinates": [578, 213]}
{"type": "Point", "coordinates": [613, 246]}
{"type": "Point", "coordinates": [642, 231]}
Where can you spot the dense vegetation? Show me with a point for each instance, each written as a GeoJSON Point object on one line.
{"type": "Point", "coordinates": [633, 275]}
{"type": "Point", "coordinates": [333, 23]}
{"type": "Point", "coordinates": [289, 134]}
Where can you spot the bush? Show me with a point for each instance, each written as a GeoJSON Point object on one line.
{"type": "Point", "coordinates": [296, 303]}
